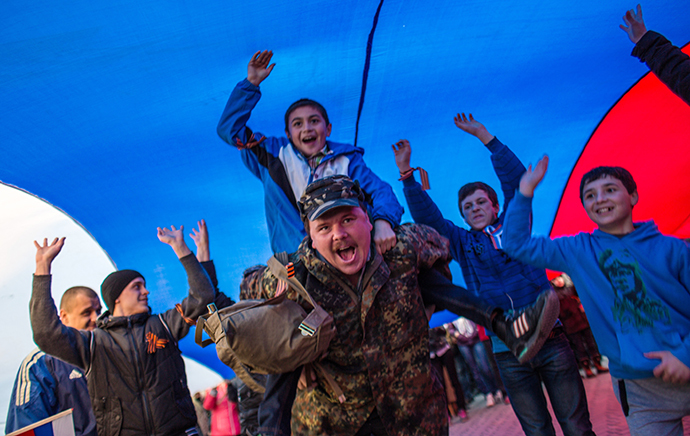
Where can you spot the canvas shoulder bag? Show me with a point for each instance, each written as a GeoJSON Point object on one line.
{"type": "Point", "coordinates": [271, 336]}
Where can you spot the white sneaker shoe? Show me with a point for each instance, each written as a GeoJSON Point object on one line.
{"type": "Point", "coordinates": [490, 400]}
{"type": "Point", "coordinates": [499, 397]}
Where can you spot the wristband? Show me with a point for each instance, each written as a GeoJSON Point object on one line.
{"type": "Point", "coordinates": [422, 175]}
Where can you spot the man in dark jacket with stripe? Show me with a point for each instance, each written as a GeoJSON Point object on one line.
{"type": "Point", "coordinates": [45, 385]}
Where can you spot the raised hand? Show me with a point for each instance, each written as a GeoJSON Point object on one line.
{"type": "Point", "coordinates": [402, 151]}
{"type": "Point", "coordinates": [473, 127]}
{"type": "Point", "coordinates": [259, 68]}
{"type": "Point", "coordinates": [384, 236]}
{"type": "Point", "coordinates": [200, 237]}
{"type": "Point", "coordinates": [175, 238]}
{"type": "Point", "coordinates": [46, 253]}
{"type": "Point", "coordinates": [533, 177]}
{"type": "Point", "coordinates": [671, 369]}
{"type": "Point", "coordinates": [635, 24]}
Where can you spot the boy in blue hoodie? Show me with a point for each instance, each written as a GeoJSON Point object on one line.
{"type": "Point", "coordinates": [286, 165]}
{"type": "Point", "coordinates": [634, 284]}
{"type": "Point", "coordinates": [505, 283]}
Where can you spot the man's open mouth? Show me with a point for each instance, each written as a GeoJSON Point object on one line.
{"type": "Point", "coordinates": [308, 139]}
{"type": "Point", "coordinates": [346, 254]}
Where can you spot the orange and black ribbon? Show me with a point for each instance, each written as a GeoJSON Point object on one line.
{"type": "Point", "coordinates": [189, 321]}
{"type": "Point", "coordinates": [422, 175]}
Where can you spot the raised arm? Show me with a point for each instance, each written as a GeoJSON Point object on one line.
{"type": "Point", "coordinates": [203, 255]}
{"type": "Point", "coordinates": [506, 164]}
{"type": "Point", "coordinates": [260, 67]}
{"type": "Point", "coordinates": [422, 207]}
{"type": "Point", "coordinates": [200, 238]}
{"type": "Point", "coordinates": [232, 127]}
{"type": "Point", "coordinates": [473, 127]}
{"type": "Point", "coordinates": [50, 334]}
{"type": "Point", "coordinates": [634, 25]}
{"type": "Point", "coordinates": [175, 239]}
{"type": "Point", "coordinates": [201, 291]}
{"type": "Point", "coordinates": [518, 242]}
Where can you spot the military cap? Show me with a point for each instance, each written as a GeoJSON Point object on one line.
{"type": "Point", "coordinates": [327, 193]}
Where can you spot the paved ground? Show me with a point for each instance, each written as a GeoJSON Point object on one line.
{"type": "Point", "coordinates": [606, 415]}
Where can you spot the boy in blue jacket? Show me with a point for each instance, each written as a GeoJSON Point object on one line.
{"type": "Point", "coordinates": [634, 284]}
{"type": "Point", "coordinates": [286, 166]}
{"type": "Point", "coordinates": [505, 283]}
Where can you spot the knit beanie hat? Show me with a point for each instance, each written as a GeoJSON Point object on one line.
{"type": "Point", "coordinates": [115, 283]}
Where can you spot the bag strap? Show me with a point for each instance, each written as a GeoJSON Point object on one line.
{"type": "Point", "coordinates": [277, 265]}
{"type": "Point", "coordinates": [199, 332]}
{"type": "Point", "coordinates": [238, 367]}
{"type": "Point", "coordinates": [329, 379]}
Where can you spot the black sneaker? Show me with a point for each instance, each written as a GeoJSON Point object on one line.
{"type": "Point", "coordinates": [525, 331]}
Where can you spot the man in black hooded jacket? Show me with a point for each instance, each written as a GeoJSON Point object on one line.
{"type": "Point", "coordinates": [135, 371]}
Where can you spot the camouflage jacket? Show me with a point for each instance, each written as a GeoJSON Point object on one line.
{"type": "Point", "coordinates": [380, 355]}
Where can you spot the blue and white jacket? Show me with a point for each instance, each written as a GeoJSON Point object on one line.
{"type": "Point", "coordinates": [488, 271]}
{"type": "Point", "coordinates": [285, 172]}
{"type": "Point", "coordinates": [635, 288]}
{"type": "Point", "coordinates": [46, 385]}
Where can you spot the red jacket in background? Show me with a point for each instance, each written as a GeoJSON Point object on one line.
{"type": "Point", "coordinates": [225, 419]}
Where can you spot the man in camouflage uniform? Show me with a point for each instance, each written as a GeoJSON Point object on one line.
{"type": "Point", "coordinates": [380, 354]}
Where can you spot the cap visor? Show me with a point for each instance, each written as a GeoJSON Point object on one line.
{"type": "Point", "coordinates": [340, 202]}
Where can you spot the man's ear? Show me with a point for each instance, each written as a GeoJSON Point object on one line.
{"type": "Point", "coordinates": [634, 198]}
{"type": "Point", "coordinates": [63, 316]}
{"type": "Point", "coordinates": [287, 133]}
{"type": "Point", "coordinates": [328, 130]}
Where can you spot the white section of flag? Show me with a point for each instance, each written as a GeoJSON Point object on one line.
{"type": "Point", "coordinates": [60, 424]}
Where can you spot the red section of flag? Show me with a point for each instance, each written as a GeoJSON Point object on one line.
{"type": "Point", "coordinates": [646, 132]}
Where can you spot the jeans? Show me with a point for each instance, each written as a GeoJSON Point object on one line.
{"type": "Point", "coordinates": [475, 356]}
{"type": "Point", "coordinates": [275, 410]}
{"type": "Point", "coordinates": [556, 367]}
{"type": "Point", "coordinates": [584, 346]}
{"type": "Point", "coordinates": [448, 362]}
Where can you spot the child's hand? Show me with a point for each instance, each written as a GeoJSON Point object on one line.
{"type": "Point", "coordinates": [532, 178]}
{"type": "Point", "coordinates": [636, 28]}
{"type": "Point", "coordinates": [307, 378]}
{"type": "Point", "coordinates": [670, 369]}
{"type": "Point", "coordinates": [384, 236]}
{"type": "Point", "coordinates": [474, 128]}
{"type": "Point", "coordinates": [402, 155]}
{"type": "Point", "coordinates": [175, 238]}
{"type": "Point", "coordinates": [258, 68]}
{"type": "Point", "coordinates": [46, 253]}
{"type": "Point", "coordinates": [200, 237]}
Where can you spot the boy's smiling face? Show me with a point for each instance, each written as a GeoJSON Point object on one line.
{"type": "Point", "coordinates": [609, 205]}
{"type": "Point", "coordinates": [307, 129]}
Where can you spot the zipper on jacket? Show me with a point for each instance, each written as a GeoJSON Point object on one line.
{"type": "Point", "coordinates": [148, 420]}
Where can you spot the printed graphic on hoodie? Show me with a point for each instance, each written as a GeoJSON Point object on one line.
{"type": "Point", "coordinates": [631, 306]}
